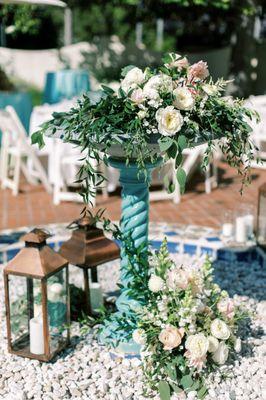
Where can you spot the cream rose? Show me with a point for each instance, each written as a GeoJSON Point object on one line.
{"type": "Point", "coordinates": [155, 283]}
{"type": "Point", "coordinates": [171, 337]}
{"type": "Point", "coordinates": [198, 70]}
{"type": "Point", "coordinates": [213, 344]}
{"type": "Point", "coordinates": [220, 356]}
{"type": "Point", "coordinates": [197, 345]}
{"type": "Point", "coordinates": [219, 329]}
{"type": "Point", "coordinates": [177, 279]}
{"type": "Point", "coordinates": [139, 336]}
{"type": "Point", "coordinates": [55, 292]}
{"type": "Point", "coordinates": [183, 99]}
{"type": "Point", "coordinates": [169, 120]}
{"type": "Point", "coordinates": [133, 78]}
{"type": "Point", "coordinates": [226, 307]}
{"type": "Point", "coordinates": [137, 96]}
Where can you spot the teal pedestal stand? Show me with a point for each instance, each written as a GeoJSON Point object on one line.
{"type": "Point", "coordinates": [134, 222]}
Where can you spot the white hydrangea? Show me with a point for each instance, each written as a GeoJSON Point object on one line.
{"type": "Point", "coordinates": [139, 336]}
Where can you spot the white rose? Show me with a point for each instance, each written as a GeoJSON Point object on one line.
{"type": "Point", "coordinates": [219, 329]}
{"type": "Point", "coordinates": [197, 345]}
{"type": "Point", "coordinates": [237, 345]}
{"type": "Point", "coordinates": [220, 356]}
{"type": "Point", "coordinates": [133, 78]}
{"type": "Point", "coordinates": [160, 83]}
{"type": "Point", "coordinates": [55, 292]}
{"type": "Point", "coordinates": [209, 89]}
{"type": "Point", "coordinates": [137, 96]}
{"type": "Point", "coordinates": [155, 283]}
{"type": "Point", "coordinates": [177, 279]}
{"type": "Point", "coordinates": [169, 120]}
{"type": "Point", "coordinates": [183, 99]}
{"type": "Point", "coordinates": [139, 336]}
{"type": "Point", "coordinates": [213, 344]}
{"type": "Point", "coordinates": [171, 337]}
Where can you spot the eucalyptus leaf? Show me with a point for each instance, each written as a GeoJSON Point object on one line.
{"type": "Point", "coordinates": [164, 390]}
{"type": "Point", "coordinates": [182, 142]}
{"type": "Point", "coordinates": [181, 177]}
{"type": "Point", "coordinates": [186, 381]}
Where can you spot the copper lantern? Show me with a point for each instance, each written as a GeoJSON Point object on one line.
{"type": "Point", "coordinates": [37, 299]}
{"type": "Point", "coordinates": [261, 217]}
{"type": "Point", "coordinates": [87, 248]}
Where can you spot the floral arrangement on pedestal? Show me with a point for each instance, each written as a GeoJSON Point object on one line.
{"type": "Point", "coordinates": [187, 328]}
{"type": "Point", "coordinates": [156, 112]}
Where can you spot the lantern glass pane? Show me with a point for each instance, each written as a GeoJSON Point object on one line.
{"type": "Point", "coordinates": [262, 218]}
{"type": "Point", "coordinates": [26, 315]}
{"type": "Point", "coordinates": [57, 309]}
{"type": "Point", "coordinates": [19, 321]}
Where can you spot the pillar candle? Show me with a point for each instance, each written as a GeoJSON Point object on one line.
{"type": "Point", "coordinates": [96, 296]}
{"type": "Point", "coordinates": [250, 224]}
{"type": "Point", "coordinates": [227, 229]}
{"type": "Point", "coordinates": [36, 336]}
{"type": "Point", "coordinates": [241, 230]}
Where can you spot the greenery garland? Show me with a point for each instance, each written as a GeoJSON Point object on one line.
{"type": "Point", "coordinates": [174, 107]}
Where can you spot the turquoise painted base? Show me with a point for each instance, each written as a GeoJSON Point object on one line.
{"type": "Point", "coordinates": [134, 222]}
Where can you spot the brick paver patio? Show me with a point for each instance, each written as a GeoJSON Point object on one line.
{"type": "Point", "coordinates": [33, 206]}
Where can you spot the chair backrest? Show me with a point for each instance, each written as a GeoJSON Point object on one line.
{"type": "Point", "coordinates": [12, 126]}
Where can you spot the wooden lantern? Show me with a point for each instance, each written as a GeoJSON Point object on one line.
{"type": "Point", "coordinates": [261, 216]}
{"type": "Point", "coordinates": [87, 248]}
{"type": "Point", "coordinates": [37, 300]}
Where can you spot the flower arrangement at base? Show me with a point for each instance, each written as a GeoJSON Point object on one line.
{"type": "Point", "coordinates": [156, 112]}
{"type": "Point", "coordinates": [187, 328]}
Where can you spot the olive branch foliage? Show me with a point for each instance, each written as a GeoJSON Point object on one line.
{"type": "Point", "coordinates": [114, 120]}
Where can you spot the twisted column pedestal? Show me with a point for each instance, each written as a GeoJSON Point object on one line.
{"type": "Point", "coordinates": [134, 222]}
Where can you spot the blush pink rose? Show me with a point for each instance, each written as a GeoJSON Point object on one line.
{"type": "Point", "coordinates": [198, 70]}
{"type": "Point", "coordinates": [226, 307]}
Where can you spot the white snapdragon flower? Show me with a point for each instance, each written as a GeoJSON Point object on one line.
{"type": "Point", "coordinates": [169, 120]}
{"type": "Point", "coordinates": [142, 114]}
{"type": "Point", "coordinates": [219, 329]}
{"type": "Point", "coordinates": [139, 336]}
{"type": "Point", "coordinates": [155, 283]}
{"type": "Point", "coordinates": [183, 99]}
{"type": "Point", "coordinates": [220, 356]}
{"type": "Point", "coordinates": [213, 344]}
{"type": "Point", "coordinates": [238, 345]}
{"type": "Point", "coordinates": [210, 90]}
{"type": "Point", "coordinates": [197, 345]}
{"type": "Point", "coordinates": [133, 78]}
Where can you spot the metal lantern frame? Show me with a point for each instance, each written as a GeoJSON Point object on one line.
{"type": "Point", "coordinates": [262, 194]}
{"type": "Point", "coordinates": [36, 261]}
{"type": "Point", "coordinates": [87, 249]}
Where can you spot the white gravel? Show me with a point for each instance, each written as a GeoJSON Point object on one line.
{"type": "Point", "coordinates": [86, 370]}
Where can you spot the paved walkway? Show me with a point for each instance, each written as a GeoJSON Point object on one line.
{"type": "Point", "coordinates": [33, 206]}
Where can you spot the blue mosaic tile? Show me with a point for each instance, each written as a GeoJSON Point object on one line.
{"type": "Point", "coordinates": [171, 233]}
{"type": "Point", "coordinates": [206, 250]}
{"type": "Point", "coordinates": [213, 239]}
{"type": "Point", "coordinates": [190, 249]}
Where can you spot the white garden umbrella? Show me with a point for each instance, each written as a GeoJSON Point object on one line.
{"type": "Point", "coordinates": [57, 3]}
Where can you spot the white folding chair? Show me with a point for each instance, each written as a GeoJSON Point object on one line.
{"type": "Point", "coordinates": [258, 103]}
{"type": "Point", "coordinates": [193, 158]}
{"type": "Point", "coordinates": [16, 149]}
{"type": "Point", "coordinates": [65, 167]}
